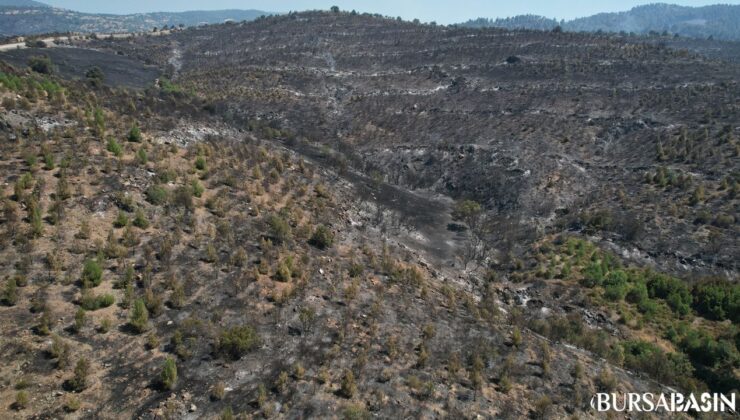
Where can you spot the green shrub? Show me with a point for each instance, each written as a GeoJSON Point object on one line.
{"type": "Point", "coordinates": [140, 220]}
{"type": "Point", "coordinates": [92, 273]}
{"type": "Point", "coordinates": [183, 197]}
{"type": "Point", "coordinates": [237, 341]}
{"type": "Point", "coordinates": [49, 161]}
{"type": "Point", "coordinates": [648, 307]}
{"type": "Point", "coordinates": [355, 412]}
{"type": "Point", "coordinates": [105, 324]}
{"type": "Point", "coordinates": [78, 383]}
{"type": "Point", "coordinates": [95, 76]}
{"type": "Point", "coordinates": [90, 302]}
{"type": "Point", "coordinates": [121, 220]}
{"type": "Point", "coordinates": [724, 221]}
{"type": "Point", "coordinates": [355, 269]}
{"type": "Point", "coordinates": [72, 404]}
{"type": "Point", "coordinates": [322, 237]}
{"type": "Point", "coordinates": [139, 317]}
{"type": "Point", "coordinates": [10, 292]}
{"type": "Point", "coordinates": [80, 320]}
{"type": "Point", "coordinates": [505, 384]}
{"type": "Point", "coordinates": [169, 87]}
{"type": "Point", "coordinates": [21, 400]}
{"type": "Point", "coordinates": [542, 407]}
{"type": "Point", "coordinates": [114, 147]}
{"type": "Point", "coordinates": [168, 377]}
{"type": "Point", "coordinates": [41, 64]}
{"type": "Point", "coordinates": [674, 291]}
{"type": "Point", "coordinates": [197, 188]}
{"type": "Point", "coordinates": [279, 228]}
{"type": "Point", "coordinates": [200, 163]}
{"type": "Point", "coordinates": [615, 292]}
{"type": "Point", "coordinates": [218, 391]}
{"type": "Point", "coordinates": [637, 294]}
{"type": "Point", "coordinates": [651, 359]}
{"type": "Point", "coordinates": [702, 218]}
{"type": "Point", "coordinates": [348, 386]}
{"type": "Point", "coordinates": [606, 381]}
{"type": "Point", "coordinates": [593, 274]}
{"type": "Point", "coordinates": [156, 195]}
{"type": "Point", "coordinates": [142, 156]}
{"type": "Point", "coordinates": [37, 226]}
{"type": "Point", "coordinates": [717, 299]}
{"type": "Point", "coordinates": [283, 273]}
{"type": "Point", "coordinates": [134, 134]}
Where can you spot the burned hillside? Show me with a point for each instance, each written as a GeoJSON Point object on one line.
{"type": "Point", "coordinates": [347, 216]}
{"type": "Point", "coordinates": [551, 129]}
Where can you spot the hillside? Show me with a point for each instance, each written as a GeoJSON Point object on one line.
{"type": "Point", "coordinates": [719, 21]}
{"type": "Point", "coordinates": [336, 215]}
{"type": "Point", "coordinates": [22, 3]}
{"type": "Point", "coordinates": [17, 20]}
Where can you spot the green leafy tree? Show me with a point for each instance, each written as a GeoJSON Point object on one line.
{"type": "Point", "coordinates": [468, 211]}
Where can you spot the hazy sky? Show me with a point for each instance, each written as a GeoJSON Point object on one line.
{"type": "Point", "coordinates": [437, 10]}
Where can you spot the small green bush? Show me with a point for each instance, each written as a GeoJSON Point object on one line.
{"type": "Point", "coordinates": [140, 220]}
{"type": "Point", "coordinates": [141, 156]}
{"type": "Point", "coordinates": [356, 412]}
{"type": "Point", "coordinates": [200, 163]}
{"type": "Point", "coordinates": [73, 404]}
{"type": "Point", "coordinates": [21, 400]}
{"type": "Point", "coordinates": [197, 188]}
{"type": "Point", "coordinates": [79, 381]}
{"type": "Point", "coordinates": [114, 147]}
{"type": "Point", "coordinates": [92, 273]}
{"type": "Point", "coordinates": [279, 228]}
{"type": "Point", "coordinates": [121, 220]}
{"type": "Point", "coordinates": [139, 317]}
{"type": "Point", "coordinates": [10, 292]}
{"type": "Point", "coordinates": [134, 133]}
{"type": "Point", "coordinates": [322, 237]}
{"type": "Point", "coordinates": [168, 377]}
{"type": "Point", "coordinates": [237, 341]}
{"type": "Point", "coordinates": [283, 273]}
{"type": "Point", "coordinates": [348, 386]}
{"type": "Point", "coordinates": [156, 195]}
{"type": "Point", "coordinates": [90, 302]}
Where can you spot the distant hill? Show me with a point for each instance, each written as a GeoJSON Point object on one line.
{"type": "Point", "coordinates": [721, 21]}
{"type": "Point", "coordinates": [23, 18]}
{"type": "Point", "coordinates": [21, 3]}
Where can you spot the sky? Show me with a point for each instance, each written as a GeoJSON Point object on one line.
{"type": "Point", "coordinates": [441, 11]}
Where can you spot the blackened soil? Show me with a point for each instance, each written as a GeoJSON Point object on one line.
{"type": "Point", "coordinates": [73, 63]}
